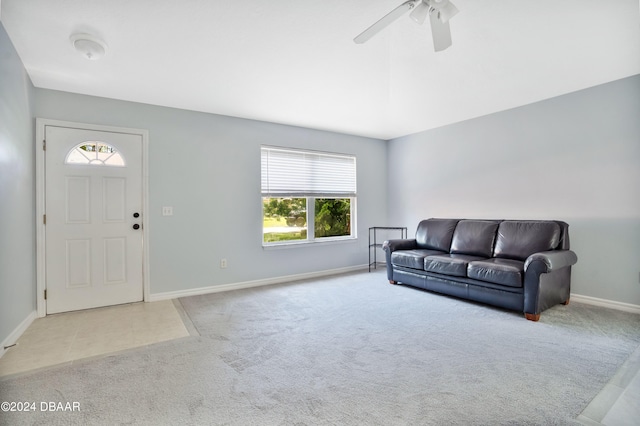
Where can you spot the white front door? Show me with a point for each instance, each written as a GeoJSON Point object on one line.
{"type": "Point", "coordinates": [93, 229]}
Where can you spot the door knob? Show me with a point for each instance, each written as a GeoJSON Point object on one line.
{"type": "Point", "coordinates": [136, 214]}
{"type": "Point", "coordinates": [136, 226]}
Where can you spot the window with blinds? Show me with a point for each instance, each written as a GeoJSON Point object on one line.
{"type": "Point", "coordinates": [307, 195]}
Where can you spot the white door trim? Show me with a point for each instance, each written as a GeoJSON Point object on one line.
{"type": "Point", "coordinates": [41, 124]}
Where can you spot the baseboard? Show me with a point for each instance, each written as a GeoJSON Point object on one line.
{"type": "Point", "coordinates": [15, 334]}
{"type": "Point", "coordinates": [248, 284]}
{"type": "Point", "coordinates": [605, 303]}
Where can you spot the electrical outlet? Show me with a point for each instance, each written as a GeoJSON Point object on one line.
{"type": "Point", "coordinates": [223, 263]}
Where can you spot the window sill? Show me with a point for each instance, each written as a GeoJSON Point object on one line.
{"type": "Point", "coordinates": [314, 243]}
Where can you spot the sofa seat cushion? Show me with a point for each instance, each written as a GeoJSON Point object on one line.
{"type": "Point", "coordinates": [411, 258]}
{"type": "Point", "coordinates": [507, 272]}
{"type": "Point", "coordinates": [449, 264]}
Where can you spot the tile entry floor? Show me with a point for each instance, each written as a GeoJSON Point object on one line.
{"type": "Point", "coordinates": [618, 403]}
{"type": "Point", "coordinates": [63, 338]}
{"type": "Point", "coordinates": [66, 337]}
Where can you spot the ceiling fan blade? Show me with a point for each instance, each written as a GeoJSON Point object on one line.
{"type": "Point", "coordinates": [420, 13]}
{"type": "Point", "coordinates": [440, 31]}
{"type": "Point", "coordinates": [385, 21]}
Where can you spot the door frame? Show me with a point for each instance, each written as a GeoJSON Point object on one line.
{"type": "Point", "coordinates": [41, 124]}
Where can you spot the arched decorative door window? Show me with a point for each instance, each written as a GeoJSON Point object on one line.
{"type": "Point", "coordinates": [95, 153]}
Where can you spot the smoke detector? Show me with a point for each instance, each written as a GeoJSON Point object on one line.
{"type": "Point", "coordinates": [90, 47]}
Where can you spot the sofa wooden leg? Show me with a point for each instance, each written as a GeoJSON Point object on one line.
{"type": "Point", "coordinates": [566, 302]}
{"type": "Point", "coordinates": [393, 282]}
{"type": "Point", "coordinates": [532, 317]}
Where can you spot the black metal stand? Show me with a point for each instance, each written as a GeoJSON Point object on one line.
{"type": "Point", "coordinates": [373, 242]}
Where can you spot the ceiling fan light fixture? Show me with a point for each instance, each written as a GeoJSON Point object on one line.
{"type": "Point", "coordinates": [420, 12]}
{"type": "Point", "coordinates": [445, 9]}
{"type": "Point", "coordinates": [88, 46]}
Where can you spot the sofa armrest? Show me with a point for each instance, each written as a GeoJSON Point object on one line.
{"type": "Point", "coordinates": [392, 245]}
{"type": "Point", "coordinates": [553, 260]}
{"type": "Point", "coordinates": [547, 281]}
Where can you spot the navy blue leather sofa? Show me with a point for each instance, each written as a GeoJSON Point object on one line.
{"type": "Point", "coordinates": [521, 265]}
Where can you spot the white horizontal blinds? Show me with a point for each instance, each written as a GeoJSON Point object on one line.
{"type": "Point", "coordinates": [296, 173]}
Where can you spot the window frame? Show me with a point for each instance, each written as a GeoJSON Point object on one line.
{"type": "Point", "coordinates": [310, 200]}
{"type": "Point", "coordinates": [311, 238]}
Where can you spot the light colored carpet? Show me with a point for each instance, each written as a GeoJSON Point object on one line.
{"type": "Point", "coordinates": [345, 350]}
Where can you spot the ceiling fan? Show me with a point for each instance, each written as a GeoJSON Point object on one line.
{"type": "Point", "coordinates": [439, 11]}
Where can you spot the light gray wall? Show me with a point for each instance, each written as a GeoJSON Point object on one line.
{"type": "Point", "coordinates": [17, 191]}
{"type": "Point", "coordinates": [574, 158]}
{"type": "Point", "coordinates": [208, 168]}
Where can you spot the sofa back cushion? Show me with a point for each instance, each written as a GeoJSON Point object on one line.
{"type": "Point", "coordinates": [520, 239]}
{"type": "Point", "coordinates": [435, 234]}
{"type": "Point", "coordinates": [474, 237]}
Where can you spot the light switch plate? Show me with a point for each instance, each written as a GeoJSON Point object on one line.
{"type": "Point", "coordinates": [167, 211]}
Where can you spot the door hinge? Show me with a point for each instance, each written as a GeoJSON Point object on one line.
{"type": "Point", "coordinates": [44, 144]}
{"type": "Point", "coordinates": [44, 219]}
{"type": "Point", "coordinates": [45, 294]}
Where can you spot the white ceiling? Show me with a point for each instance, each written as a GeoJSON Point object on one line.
{"type": "Point", "coordinates": [294, 61]}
